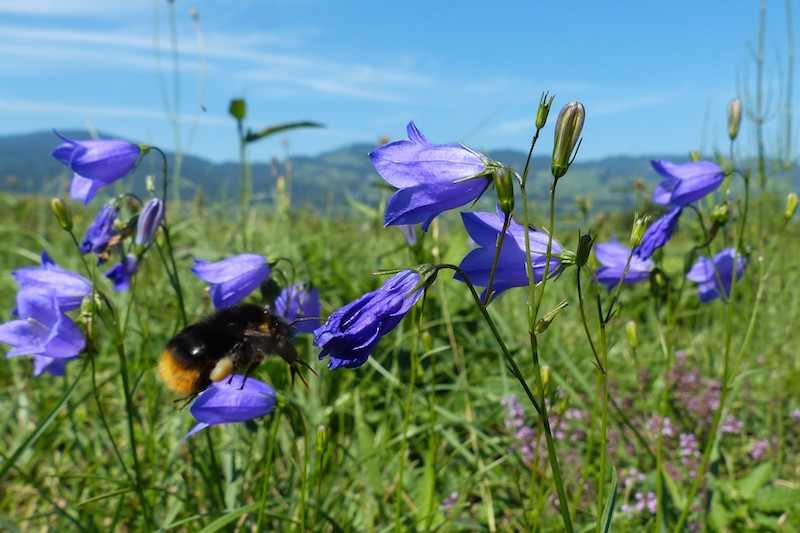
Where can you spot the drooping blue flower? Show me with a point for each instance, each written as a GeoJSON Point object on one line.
{"type": "Point", "coordinates": [96, 163]}
{"type": "Point", "coordinates": [232, 279]}
{"type": "Point", "coordinates": [658, 233]}
{"type": "Point", "coordinates": [230, 401]}
{"type": "Point", "coordinates": [714, 276]}
{"type": "Point", "coordinates": [43, 331]}
{"type": "Point", "coordinates": [352, 332]}
{"type": "Point", "coordinates": [100, 232]}
{"type": "Point", "coordinates": [431, 178]}
{"type": "Point", "coordinates": [614, 256]}
{"type": "Point", "coordinates": [69, 288]}
{"type": "Point", "coordinates": [484, 229]}
{"type": "Point", "coordinates": [296, 302]}
{"type": "Point", "coordinates": [687, 182]}
{"type": "Point", "coordinates": [121, 273]}
{"type": "Point", "coordinates": [150, 220]}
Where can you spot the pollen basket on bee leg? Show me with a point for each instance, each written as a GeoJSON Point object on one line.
{"type": "Point", "coordinates": [222, 369]}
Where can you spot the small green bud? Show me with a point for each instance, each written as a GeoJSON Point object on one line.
{"type": "Point", "coordinates": [150, 183]}
{"type": "Point", "coordinates": [734, 117]}
{"type": "Point", "coordinates": [547, 373]}
{"type": "Point", "coordinates": [639, 227]}
{"type": "Point", "coordinates": [545, 321]}
{"type": "Point", "coordinates": [238, 109]}
{"type": "Point", "coordinates": [322, 439]}
{"type": "Point", "coordinates": [720, 214]}
{"type": "Point", "coordinates": [585, 243]}
{"type": "Point", "coordinates": [569, 125]}
{"type": "Point", "coordinates": [694, 156]}
{"type": "Point", "coordinates": [791, 205]}
{"type": "Point", "coordinates": [504, 187]}
{"type": "Point", "coordinates": [62, 213]}
{"type": "Point", "coordinates": [543, 110]}
{"type": "Point", "coordinates": [630, 331]}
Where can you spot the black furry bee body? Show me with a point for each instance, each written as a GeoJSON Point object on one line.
{"type": "Point", "coordinates": [234, 340]}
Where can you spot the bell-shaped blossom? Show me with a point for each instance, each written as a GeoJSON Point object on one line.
{"type": "Point", "coordinates": [100, 232]}
{"type": "Point", "coordinates": [613, 257]}
{"type": "Point", "coordinates": [431, 178]}
{"type": "Point", "coordinates": [714, 276]}
{"type": "Point", "coordinates": [43, 331]}
{"type": "Point", "coordinates": [352, 332]}
{"type": "Point", "coordinates": [96, 163]}
{"type": "Point", "coordinates": [658, 233]}
{"type": "Point", "coordinates": [298, 302]}
{"type": "Point", "coordinates": [484, 229]}
{"type": "Point", "coordinates": [121, 273]}
{"type": "Point", "coordinates": [686, 183]}
{"type": "Point", "coordinates": [68, 287]}
{"type": "Point", "coordinates": [232, 279]}
{"type": "Point", "coordinates": [237, 399]}
{"type": "Point", "coordinates": [150, 220]}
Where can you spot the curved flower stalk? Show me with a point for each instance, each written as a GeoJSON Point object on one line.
{"type": "Point", "coordinates": [714, 276]}
{"type": "Point", "coordinates": [232, 279]}
{"type": "Point", "coordinates": [43, 331]}
{"type": "Point", "coordinates": [485, 228]}
{"type": "Point", "coordinates": [229, 401]}
{"type": "Point", "coordinates": [431, 178]}
{"type": "Point", "coordinates": [97, 163]}
{"type": "Point", "coordinates": [352, 332]}
{"type": "Point", "coordinates": [686, 183]}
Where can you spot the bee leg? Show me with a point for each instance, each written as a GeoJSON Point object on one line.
{"type": "Point", "coordinates": [296, 370]}
{"type": "Point", "coordinates": [187, 400]}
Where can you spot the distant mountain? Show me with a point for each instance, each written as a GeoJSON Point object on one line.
{"type": "Point", "coordinates": [326, 181]}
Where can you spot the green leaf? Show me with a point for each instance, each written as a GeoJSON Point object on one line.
{"type": "Point", "coordinates": [757, 478]}
{"type": "Point", "coordinates": [776, 499]}
{"type": "Point", "coordinates": [608, 510]}
{"type": "Point", "coordinates": [272, 130]}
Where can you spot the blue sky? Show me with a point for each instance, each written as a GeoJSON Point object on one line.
{"type": "Point", "coordinates": [655, 76]}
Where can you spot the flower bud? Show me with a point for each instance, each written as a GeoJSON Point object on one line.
{"type": "Point", "coordinates": [567, 132]}
{"type": "Point", "coordinates": [734, 117]}
{"type": "Point", "coordinates": [630, 331]}
{"type": "Point", "coordinates": [238, 109]}
{"type": "Point", "coordinates": [62, 213]}
{"type": "Point", "coordinates": [322, 439]}
{"type": "Point", "coordinates": [791, 205]}
{"type": "Point", "coordinates": [150, 183]}
{"type": "Point", "coordinates": [547, 373]}
{"type": "Point", "coordinates": [150, 220]}
{"type": "Point", "coordinates": [639, 227]}
{"type": "Point", "coordinates": [694, 155]}
{"type": "Point", "coordinates": [585, 243]}
{"type": "Point", "coordinates": [543, 110]}
{"type": "Point", "coordinates": [504, 187]}
{"type": "Point", "coordinates": [545, 321]}
{"type": "Point", "coordinates": [720, 214]}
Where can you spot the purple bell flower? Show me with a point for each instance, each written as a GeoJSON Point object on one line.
{"type": "Point", "coordinates": [230, 401]}
{"type": "Point", "coordinates": [484, 229]}
{"type": "Point", "coordinates": [69, 288]}
{"type": "Point", "coordinates": [121, 273]}
{"type": "Point", "coordinates": [299, 301]}
{"type": "Point", "coordinates": [97, 163]}
{"type": "Point", "coordinates": [687, 182]}
{"type": "Point", "coordinates": [715, 276]}
{"type": "Point", "coordinates": [99, 233]}
{"type": "Point", "coordinates": [150, 220]}
{"type": "Point", "coordinates": [658, 233]}
{"type": "Point", "coordinates": [431, 178]}
{"type": "Point", "coordinates": [614, 256]}
{"type": "Point", "coordinates": [232, 279]}
{"type": "Point", "coordinates": [43, 331]}
{"type": "Point", "coordinates": [352, 332]}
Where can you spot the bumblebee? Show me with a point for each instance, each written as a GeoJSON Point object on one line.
{"type": "Point", "coordinates": [231, 341]}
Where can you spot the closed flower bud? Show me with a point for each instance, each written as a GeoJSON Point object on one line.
{"type": "Point", "coordinates": [150, 183]}
{"type": "Point", "coordinates": [639, 227]}
{"type": "Point", "coordinates": [734, 117]}
{"type": "Point", "coordinates": [694, 155]}
{"type": "Point", "coordinates": [630, 331]}
{"type": "Point", "coordinates": [545, 321]}
{"type": "Point", "coordinates": [791, 205]}
{"type": "Point", "coordinates": [504, 187]}
{"type": "Point", "coordinates": [543, 110]}
{"type": "Point", "coordinates": [322, 439]}
{"type": "Point", "coordinates": [62, 213]}
{"type": "Point", "coordinates": [150, 220]}
{"type": "Point", "coordinates": [720, 214]}
{"type": "Point", "coordinates": [568, 130]}
{"type": "Point", "coordinates": [238, 109]}
{"type": "Point", "coordinates": [585, 243]}
{"type": "Point", "coordinates": [546, 372]}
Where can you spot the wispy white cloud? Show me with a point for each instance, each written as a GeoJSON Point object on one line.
{"type": "Point", "coordinates": [72, 8]}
